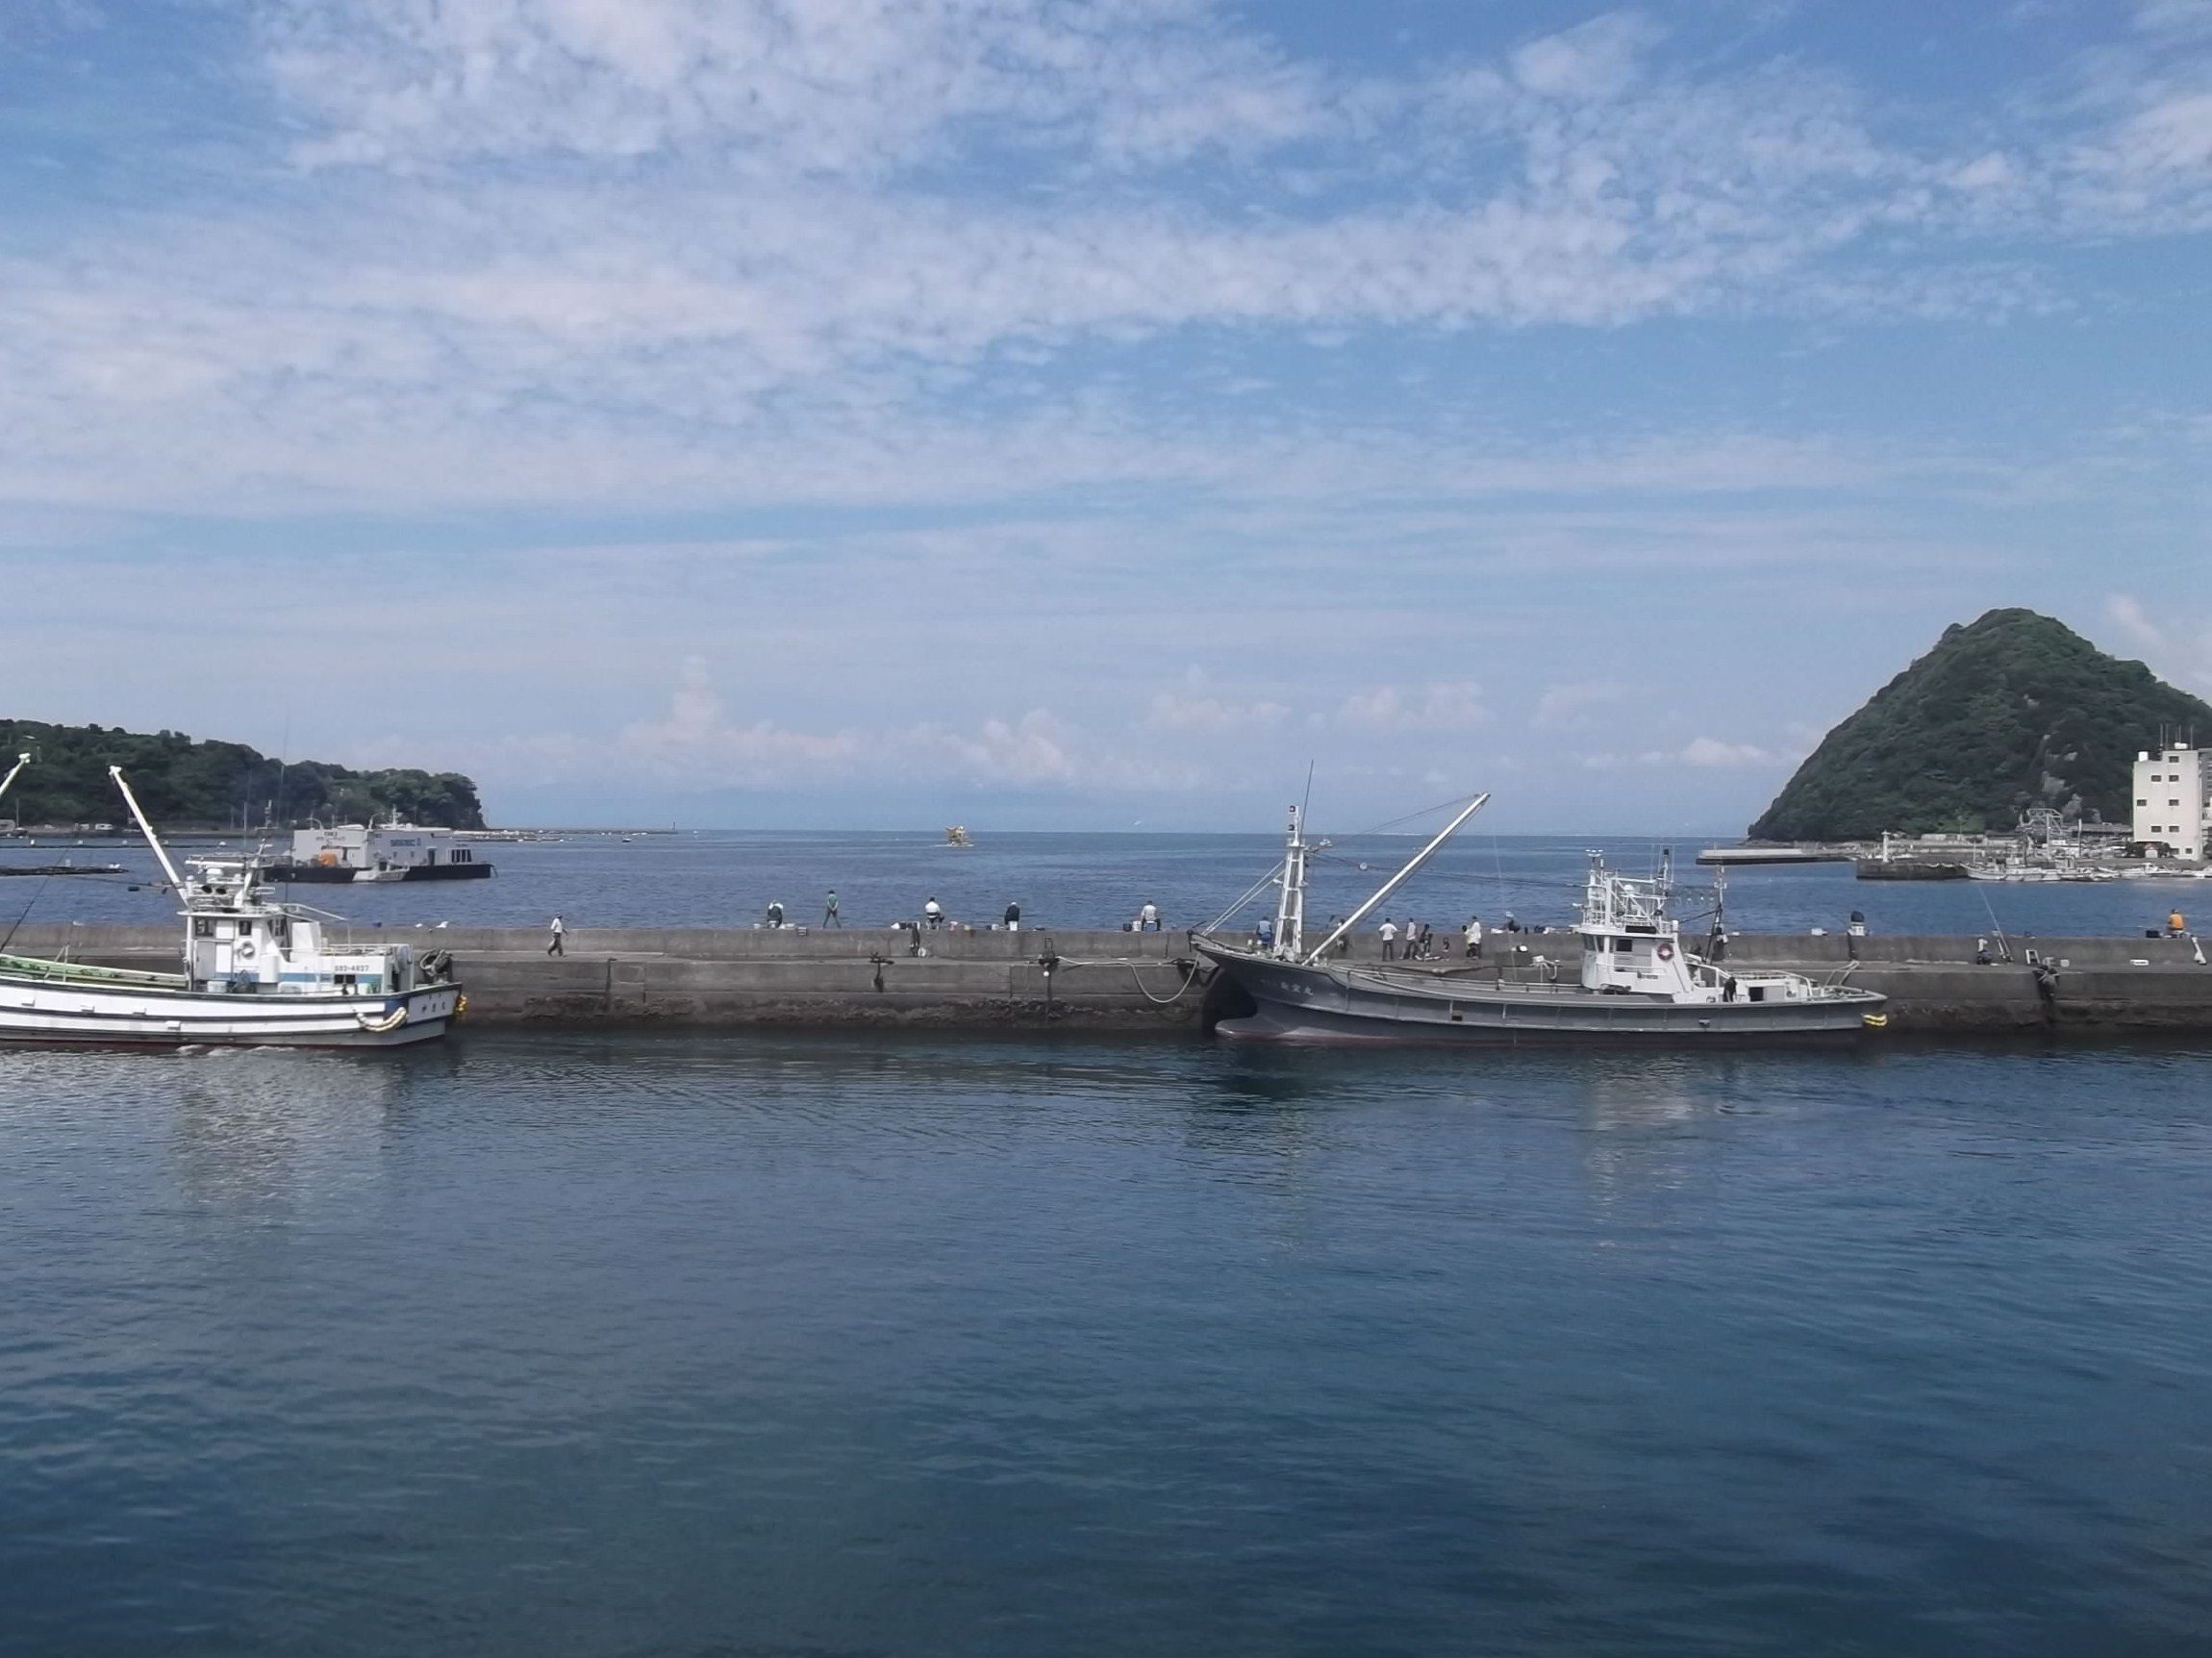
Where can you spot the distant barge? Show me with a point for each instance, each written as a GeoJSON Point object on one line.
{"type": "Point", "coordinates": [343, 853]}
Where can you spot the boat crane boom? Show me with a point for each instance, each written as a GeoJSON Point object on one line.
{"type": "Point", "coordinates": [22, 761]}
{"type": "Point", "coordinates": [161, 852]}
{"type": "Point", "coordinates": [1401, 877]}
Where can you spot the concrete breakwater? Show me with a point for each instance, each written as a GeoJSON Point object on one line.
{"type": "Point", "coordinates": [1120, 981]}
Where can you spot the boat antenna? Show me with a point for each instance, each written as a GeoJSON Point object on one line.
{"type": "Point", "coordinates": [160, 853]}
{"type": "Point", "coordinates": [1399, 879]}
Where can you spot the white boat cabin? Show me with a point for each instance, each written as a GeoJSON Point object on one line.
{"type": "Point", "coordinates": [377, 846]}
{"type": "Point", "coordinates": [1632, 946]}
{"type": "Point", "coordinates": [237, 940]}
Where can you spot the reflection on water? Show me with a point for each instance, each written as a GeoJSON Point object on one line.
{"type": "Point", "coordinates": [268, 1133]}
{"type": "Point", "coordinates": [779, 1343]}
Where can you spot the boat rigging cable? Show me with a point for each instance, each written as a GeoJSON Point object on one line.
{"type": "Point", "coordinates": [1401, 878]}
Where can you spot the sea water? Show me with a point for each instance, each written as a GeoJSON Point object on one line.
{"type": "Point", "coordinates": [728, 879]}
{"type": "Point", "coordinates": [613, 1344]}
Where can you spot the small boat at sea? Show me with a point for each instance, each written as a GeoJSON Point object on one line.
{"type": "Point", "coordinates": [1639, 982]}
{"type": "Point", "coordinates": [956, 835]}
{"type": "Point", "coordinates": [256, 973]}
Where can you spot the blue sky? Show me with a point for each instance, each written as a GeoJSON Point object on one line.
{"type": "Point", "coordinates": [1085, 412]}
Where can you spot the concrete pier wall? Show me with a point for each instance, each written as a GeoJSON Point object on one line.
{"type": "Point", "coordinates": [1150, 981]}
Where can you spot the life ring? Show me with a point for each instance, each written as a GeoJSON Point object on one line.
{"type": "Point", "coordinates": [245, 950]}
{"type": "Point", "coordinates": [1665, 952]}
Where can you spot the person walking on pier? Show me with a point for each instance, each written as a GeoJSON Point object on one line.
{"type": "Point", "coordinates": [559, 931]}
{"type": "Point", "coordinates": [829, 911]}
{"type": "Point", "coordinates": [1474, 937]}
{"type": "Point", "coordinates": [1389, 932]}
{"type": "Point", "coordinates": [933, 914]}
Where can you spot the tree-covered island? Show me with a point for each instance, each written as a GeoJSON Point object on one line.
{"type": "Point", "coordinates": [186, 784]}
{"type": "Point", "coordinates": [2010, 711]}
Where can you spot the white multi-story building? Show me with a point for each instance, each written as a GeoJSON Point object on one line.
{"type": "Point", "coordinates": [2172, 799]}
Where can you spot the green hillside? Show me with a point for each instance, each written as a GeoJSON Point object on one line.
{"type": "Point", "coordinates": [2012, 711]}
{"type": "Point", "coordinates": [188, 783]}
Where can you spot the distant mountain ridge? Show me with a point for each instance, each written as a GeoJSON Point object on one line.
{"type": "Point", "coordinates": [183, 783]}
{"type": "Point", "coordinates": [2009, 711]}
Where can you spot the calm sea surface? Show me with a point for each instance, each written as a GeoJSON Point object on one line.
{"type": "Point", "coordinates": [728, 879]}
{"type": "Point", "coordinates": [762, 1344]}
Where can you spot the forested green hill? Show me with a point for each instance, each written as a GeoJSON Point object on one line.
{"type": "Point", "coordinates": [183, 783]}
{"type": "Point", "coordinates": [2011, 712]}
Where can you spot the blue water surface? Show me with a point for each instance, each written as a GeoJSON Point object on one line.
{"type": "Point", "coordinates": [728, 878]}
{"type": "Point", "coordinates": [771, 1344]}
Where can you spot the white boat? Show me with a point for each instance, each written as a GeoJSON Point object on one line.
{"type": "Point", "coordinates": [390, 851]}
{"type": "Point", "coordinates": [1639, 982]}
{"type": "Point", "coordinates": [256, 973]}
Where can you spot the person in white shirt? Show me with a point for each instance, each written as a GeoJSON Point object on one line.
{"type": "Point", "coordinates": [1389, 940]}
{"type": "Point", "coordinates": [1149, 917]}
{"type": "Point", "coordinates": [1474, 937]}
{"type": "Point", "coordinates": [559, 932]}
{"type": "Point", "coordinates": [932, 914]}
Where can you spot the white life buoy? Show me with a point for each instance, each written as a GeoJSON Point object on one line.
{"type": "Point", "coordinates": [1665, 952]}
{"type": "Point", "coordinates": [245, 950]}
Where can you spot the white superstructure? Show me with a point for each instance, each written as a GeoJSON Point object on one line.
{"type": "Point", "coordinates": [2173, 797]}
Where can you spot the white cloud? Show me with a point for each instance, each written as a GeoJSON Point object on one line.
{"type": "Point", "coordinates": [1594, 61]}
{"type": "Point", "coordinates": [2180, 646]}
{"type": "Point", "coordinates": [1438, 706]}
{"type": "Point", "coordinates": [1203, 712]}
{"type": "Point", "coordinates": [697, 744]}
{"type": "Point", "coordinates": [1565, 707]}
{"type": "Point", "coordinates": [1704, 752]}
{"type": "Point", "coordinates": [655, 248]}
{"type": "Point", "coordinates": [816, 85]}
{"type": "Point", "coordinates": [1711, 751]}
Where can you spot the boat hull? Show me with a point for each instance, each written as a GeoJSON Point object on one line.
{"type": "Point", "coordinates": [52, 1013]}
{"type": "Point", "coordinates": [1354, 1006]}
{"type": "Point", "coordinates": [344, 874]}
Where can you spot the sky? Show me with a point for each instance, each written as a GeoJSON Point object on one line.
{"type": "Point", "coordinates": [1088, 414]}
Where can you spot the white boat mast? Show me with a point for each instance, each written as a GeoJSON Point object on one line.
{"type": "Point", "coordinates": [22, 761]}
{"type": "Point", "coordinates": [1401, 878]}
{"type": "Point", "coordinates": [1291, 913]}
{"type": "Point", "coordinates": [160, 853]}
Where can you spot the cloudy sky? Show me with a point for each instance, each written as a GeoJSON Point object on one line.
{"type": "Point", "coordinates": [1079, 413]}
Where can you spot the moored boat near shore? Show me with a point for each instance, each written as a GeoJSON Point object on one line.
{"type": "Point", "coordinates": [256, 974]}
{"type": "Point", "coordinates": [1639, 983]}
